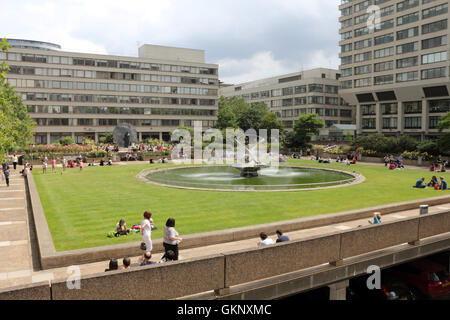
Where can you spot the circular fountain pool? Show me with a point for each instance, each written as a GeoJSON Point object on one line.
{"type": "Point", "coordinates": [225, 178]}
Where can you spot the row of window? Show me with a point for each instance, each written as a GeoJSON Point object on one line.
{"type": "Point", "coordinates": [112, 99]}
{"type": "Point", "coordinates": [392, 123]}
{"type": "Point", "coordinates": [401, 6]}
{"type": "Point", "coordinates": [307, 100]}
{"type": "Point", "coordinates": [320, 88]}
{"type": "Point", "coordinates": [402, 34]}
{"type": "Point", "coordinates": [400, 63]}
{"type": "Point", "coordinates": [118, 110]}
{"type": "Point", "coordinates": [399, 77]}
{"type": "Point", "coordinates": [115, 122]}
{"type": "Point", "coordinates": [412, 107]}
{"type": "Point", "coordinates": [320, 111]}
{"type": "Point", "coordinates": [93, 86]}
{"type": "Point", "coordinates": [105, 63]}
{"type": "Point", "coordinates": [69, 73]}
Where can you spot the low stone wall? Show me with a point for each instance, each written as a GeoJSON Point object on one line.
{"type": "Point", "coordinates": [158, 282]}
{"type": "Point", "coordinates": [39, 291]}
{"type": "Point", "coordinates": [49, 258]}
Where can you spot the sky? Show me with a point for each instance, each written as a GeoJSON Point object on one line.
{"type": "Point", "coordinates": [249, 39]}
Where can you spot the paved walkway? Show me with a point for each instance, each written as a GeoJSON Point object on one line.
{"type": "Point", "coordinates": [19, 264]}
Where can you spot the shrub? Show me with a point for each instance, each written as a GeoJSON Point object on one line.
{"type": "Point", "coordinates": [429, 147]}
{"type": "Point", "coordinates": [66, 141]}
{"type": "Point", "coordinates": [406, 143]}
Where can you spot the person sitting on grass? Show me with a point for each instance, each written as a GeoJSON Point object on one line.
{"type": "Point", "coordinates": [376, 218]}
{"type": "Point", "coordinates": [393, 165]}
{"type": "Point", "coordinates": [265, 240]}
{"type": "Point", "coordinates": [126, 264]}
{"type": "Point", "coordinates": [434, 182]}
{"type": "Point", "coordinates": [121, 228]}
{"type": "Point", "coordinates": [444, 184]}
{"type": "Point", "coordinates": [169, 256]}
{"type": "Point", "coordinates": [420, 184]}
{"type": "Point", "coordinates": [113, 265]}
{"type": "Point", "coordinates": [146, 259]}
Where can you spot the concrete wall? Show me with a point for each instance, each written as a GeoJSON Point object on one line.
{"type": "Point", "coordinates": [40, 291]}
{"type": "Point", "coordinates": [219, 273]}
{"type": "Point", "coordinates": [163, 281]}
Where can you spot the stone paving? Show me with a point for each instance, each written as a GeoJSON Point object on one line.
{"type": "Point", "coordinates": [19, 264]}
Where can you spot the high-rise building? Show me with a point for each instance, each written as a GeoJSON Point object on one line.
{"type": "Point", "coordinates": [394, 64]}
{"type": "Point", "coordinates": [288, 96]}
{"type": "Point", "coordinates": [86, 95]}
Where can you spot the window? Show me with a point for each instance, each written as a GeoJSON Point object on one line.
{"type": "Point", "coordinates": [434, 26]}
{"type": "Point", "coordinates": [363, 56]}
{"type": "Point", "coordinates": [390, 123]}
{"type": "Point", "coordinates": [363, 44]}
{"type": "Point", "coordinates": [362, 5]}
{"type": "Point", "coordinates": [346, 60]}
{"type": "Point", "coordinates": [407, 76]}
{"type": "Point", "coordinates": [407, 4]}
{"type": "Point", "coordinates": [369, 123]}
{"type": "Point", "coordinates": [389, 108]}
{"type": "Point", "coordinates": [384, 52]}
{"type": "Point", "coordinates": [434, 73]}
{"type": "Point", "coordinates": [409, 18]}
{"type": "Point", "coordinates": [363, 69]}
{"type": "Point", "coordinates": [435, 11]}
{"type": "Point", "coordinates": [407, 47]}
{"type": "Point", "coordinates": [434, 42]}
{"type": "Point", "coordinates": [386, 79]}
{"type": "Point", "coordinates": [434, 122]}
{"type": "Point", "coordinates": [346, 47]}
{"type": "Point", "coordinates": [384, 66]}
{"type": "Point", "coordinates": [407, 62]}
{"type": "Point", "coordinates": [366, 82]}
{"type": "Point", "coordinates": [368, 109]}
{"type": "Point", "coordinates": [300, 89]}
{"type": "Point", "coordinates": [407, 33]}
{"type": "Point", "coordinates": [362, 31]}
{"type": "Point", "coordinates": [439, 106]}
{"type": "Point", "coordinates": [412, 107]}
{"type": "Point", "coordinates": [315, 88]}
{"type": "Point", "coordinates": [413, 123]}
{"type": "Point", "coordinates": [434, 57]}
{"type": "Point", "coordinates": [385, 25]}
{"type": "Point", "coordinates": [384, 39]}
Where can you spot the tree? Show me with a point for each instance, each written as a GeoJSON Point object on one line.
{"type": "Point", "coordinates": [406, 143]}
{"type": "Point", "coordinates": [270, 122]}
{"type": "Point", "coordinates": [304, 129]}
{"type": "Point", "coordinates": [66, 141]}
{"type": "Point", "coordinates": [16, 125]}
{"type": "Point", "coordinates": [108, 137]}
{"type": "Point", "coordinates": [444, 124]}
{"type": "Point", "coordinates": [237, 113]}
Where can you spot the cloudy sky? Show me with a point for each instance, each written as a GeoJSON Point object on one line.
{"type": "Point", "coordinates": [250, 39]}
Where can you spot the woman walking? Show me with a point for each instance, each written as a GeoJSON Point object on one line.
{"type": "Point", "coordinates": [171, 238]}
{"type": "Point", "coordinates": [146, 231]}
{"type": "Point", "coordinates": [6, 172]}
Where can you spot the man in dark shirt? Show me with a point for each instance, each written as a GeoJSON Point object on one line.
{"type": "Point", "coordinates": [146, 259]}
{"type": "Point", "coordinates": [281, 237]}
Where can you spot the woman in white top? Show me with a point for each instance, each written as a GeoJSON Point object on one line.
{"type": "Point", "coordinates": [146, 231]}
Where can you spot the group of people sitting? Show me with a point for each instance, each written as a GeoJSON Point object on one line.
{"type": "Point", "coordinates": [146, 260]}
{"type": "Point", "coordinates": [439, 166]}
{"type": "Point", "coordinates": [434, 183]}
{"type": "Point", "coordinates": [266, 241]}
{"type": "Point", "coordinates": [392, 163]}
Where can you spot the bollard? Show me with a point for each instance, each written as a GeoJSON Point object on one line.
{"type": "Point", "coordinates": [424, 209]}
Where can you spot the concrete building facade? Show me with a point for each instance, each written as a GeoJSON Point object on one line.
{"type": "Point", "coordinates": [394, 65]}
{"type": "Point", "coordinates": [86, 95]}
{"type": "Point", "coordinates": [291, 95]}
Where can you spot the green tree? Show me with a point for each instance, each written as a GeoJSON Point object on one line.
{"type": "Point", "coordinates": [444, 124]}
{"type": "Point", "coordinates": [108, 137]}
{"type": "Point", "coordinates": [304, 129]}
{"type": "Point", "coordinates": [16, 125]}
{"type": "Point", "coordinates": [270, 122]}
{"type": "Point", "coordinates": [407, 143]}
{"type": "Point", "coordinates": [226, 116]}
{"type": "Point", "coordinates": [66, 141]}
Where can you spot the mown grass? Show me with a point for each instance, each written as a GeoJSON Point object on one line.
{"type": "Point", "coordinates": [82, 207]}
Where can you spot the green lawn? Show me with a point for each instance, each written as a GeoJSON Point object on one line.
{"type": "Point", "coordinates": [82, 207]}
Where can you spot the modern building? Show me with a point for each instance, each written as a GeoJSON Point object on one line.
{"type": "Point", "coordinates": [86, 95]}
{"type": "Point", "coordinates": [394, 64]}
{"type": "Point", "coordinates": [288, 96]}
